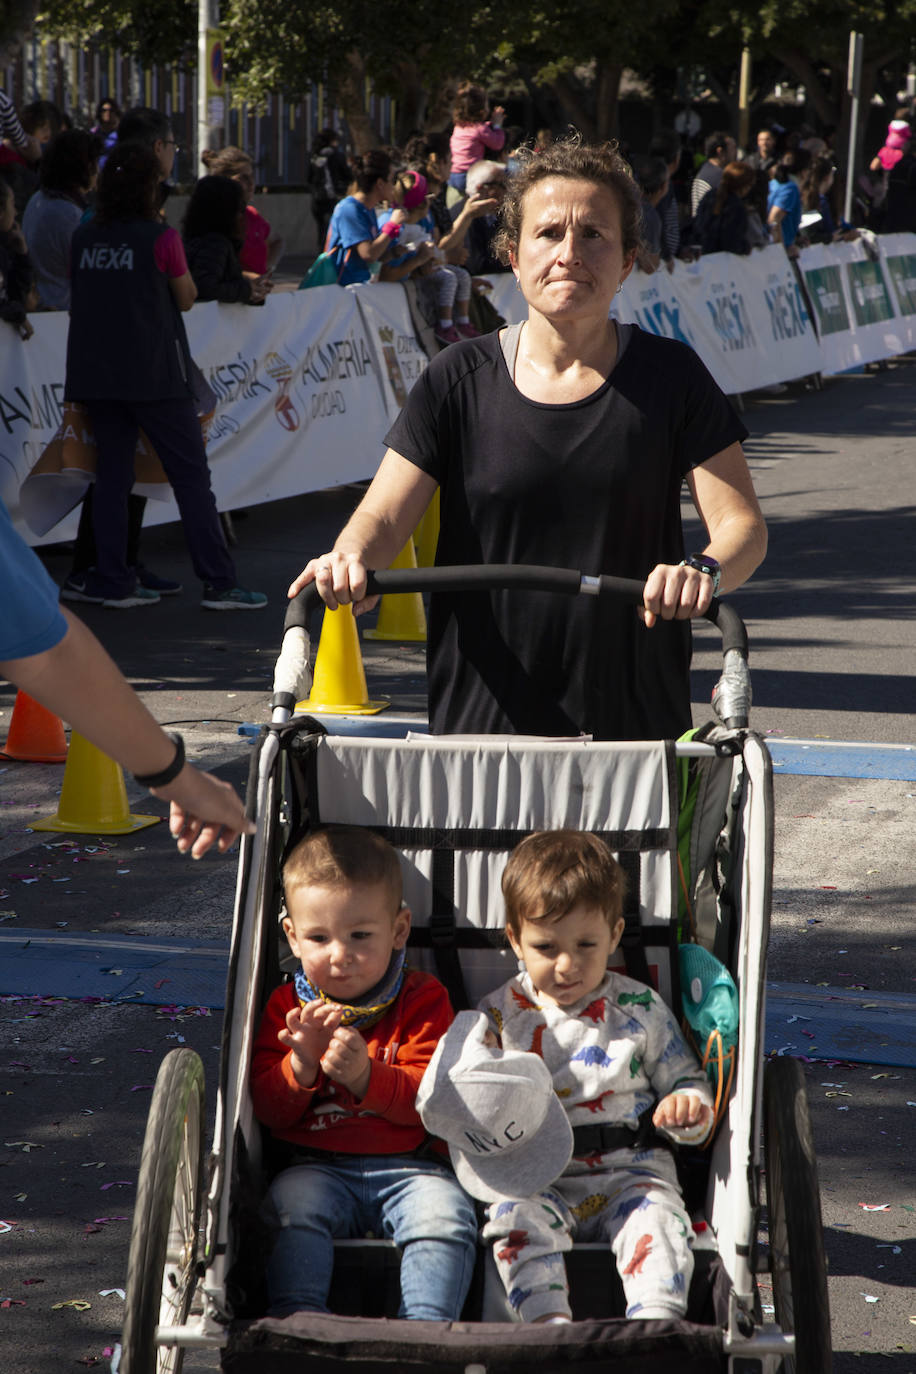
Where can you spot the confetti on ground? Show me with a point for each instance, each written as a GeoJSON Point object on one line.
{"type": "Point", "coordinates": [107, 1292]}
{"type": "Point", "coordinates": [5, 1226]}
{"type": "Point", "coordinates": [78, 1305]}
{"type": "Point", "coordinates": [120, 1183]}
{"type": "Point", "coordinates": [13, 1302]}
{"type": "Point", "coordinates": [875, 1206]}
{"type": "Point", "coordinates": [870, 1297]}
{"type": "Point", "coordinates": [25, 1145]}
{"type": "Point", "coordinates": [28, 1282]}
{"type": "Point", "coordinates": [141, 1087]}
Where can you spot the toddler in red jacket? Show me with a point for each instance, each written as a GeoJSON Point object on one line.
{"type": "Point", "coordinates": [337, 1062]}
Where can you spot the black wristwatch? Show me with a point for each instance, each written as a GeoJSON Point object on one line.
{"type": "Point", "coordinates": [704, 563]}
{"type": "Point", "coordinates": [168, 774]}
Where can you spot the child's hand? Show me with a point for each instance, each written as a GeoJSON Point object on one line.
{"type": "Point", "coordinates": [680, 1110]}
{"type": "Point", "coordinates": [346, 1060]}
{"type": "Point", "coordinates": [307, 1035]}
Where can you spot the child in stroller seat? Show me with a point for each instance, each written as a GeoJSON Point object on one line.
{"type": "Point", "coordinates": [337, 1061]}
{"type": "Point", "coordinates": [617, 1063]}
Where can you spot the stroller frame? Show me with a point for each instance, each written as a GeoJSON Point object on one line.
{"type": "Point", "coordinates": [301, 776]}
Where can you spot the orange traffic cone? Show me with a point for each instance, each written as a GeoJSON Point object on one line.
{"type": "Point", "coordinates": [401, 614]}
{"type": "Point", "coordinates": [339, 682]}
{"type": "Point", "coordinates": [93, 798]}
{"type": "Point", "coordinates": [426, 535]}
{"type": "Point", "coordinates": [36, 734]}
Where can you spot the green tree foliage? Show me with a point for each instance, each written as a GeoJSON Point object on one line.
{"type": "Point", "coordinates": [580, 53]}
{"type": "Point", "coordinates": [155, 31]}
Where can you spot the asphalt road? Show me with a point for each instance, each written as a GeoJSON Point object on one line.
{"type": "Point", "coordinates": [832, 631]}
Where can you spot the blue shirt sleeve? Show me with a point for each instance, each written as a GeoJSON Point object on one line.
{"type": "Point", "coordinates": [32, 621]}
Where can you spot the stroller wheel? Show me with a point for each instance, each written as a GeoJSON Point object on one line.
{"type": "Point", "coordinates": [161, 1269]}
{"type": "Point", "coordinates": [797, 1259]}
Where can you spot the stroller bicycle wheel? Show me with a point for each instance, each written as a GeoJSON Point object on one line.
{"type": "Point", "coordinates": [161, 1268]}
{"type": "Point", "coordinates": [797, 1259]}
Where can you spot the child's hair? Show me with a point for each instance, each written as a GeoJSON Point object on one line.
{"type": "Point", "coordinates": [214, 208]}
{"type": "Point", "coordinates": [337, 854]}
{"type": "Point", "coordinates": [470, 105]}
{"type": "Point", "coordinates": [553, 871]}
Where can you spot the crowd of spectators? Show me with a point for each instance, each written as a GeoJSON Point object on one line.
{"type": "Point", "coordinates": [429, 212]}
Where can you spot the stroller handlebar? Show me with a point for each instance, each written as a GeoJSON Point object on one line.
{"type": "Point", "coordinates": [732, 692]}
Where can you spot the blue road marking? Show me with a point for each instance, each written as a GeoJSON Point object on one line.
{"type": "Point", "coordinates": [814, 1023]}
{"type": "Point", "coordinates": [843, 759]}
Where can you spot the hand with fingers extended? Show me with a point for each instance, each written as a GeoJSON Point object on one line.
{"type": "Point", "coordinates": [346, 1060]}
{"type": "Point", "coordinates": [675, 592]}
{"type": "Point", "coordinates": [309, 1032]}
{"type": "Point", "coordinates": [340, 579]}
{"type": "Point", "coordinates": [203, 811]}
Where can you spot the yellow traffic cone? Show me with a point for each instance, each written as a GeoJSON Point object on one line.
{"type": "Point", "coordinates": [339, 681]}
{"type": "Point", "coordinates": [426, 535]}
{"type": "Point", "coordinates": [36, 734]}
{"type": "Point", "coordinates": [401, 614]}
{"type": "Point", "coordinates": [93, 798]}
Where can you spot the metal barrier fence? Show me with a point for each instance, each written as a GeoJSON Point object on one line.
{"type": "Point", "coordinates": [278, 138]}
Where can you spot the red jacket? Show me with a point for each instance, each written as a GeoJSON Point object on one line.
{"type": "Point", "coordinates": [327, 1116]}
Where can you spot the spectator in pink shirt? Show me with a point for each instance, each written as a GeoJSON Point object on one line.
{"type": "Point", "coordinates": [477, 128]}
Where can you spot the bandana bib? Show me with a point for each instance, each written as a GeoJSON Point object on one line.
{"type": "Point", "coordinates": [369, 1008]}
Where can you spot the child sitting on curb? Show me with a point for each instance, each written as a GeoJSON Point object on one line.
{"type": "Point", "coordinates": [623, 1072]}
{"type": "Point", "coordinates": [336, 1065]}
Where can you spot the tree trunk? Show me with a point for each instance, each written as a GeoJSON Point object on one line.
{"type": "Point", "coordinates": [572, 102]}
{"type": "Point", "coordinates": [351, 95]}
{"type": "Point", "coordinates": [412, 100]}
{"type": "Point", "coordinates": [827, 109]}
{"type": "Point", "coordinates": [18, 17]}
{"type": "Point", "coordinates": [607, 91]}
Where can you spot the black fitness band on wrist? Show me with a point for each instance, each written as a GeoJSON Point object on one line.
{"type": "Point", "coordinates": [167, 774]}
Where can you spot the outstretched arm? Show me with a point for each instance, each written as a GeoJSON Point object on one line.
{"type": "Point", "coordinates": [77, 680]}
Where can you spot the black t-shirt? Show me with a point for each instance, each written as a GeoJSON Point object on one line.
{"type": "Point", "coordinates": [594, 485]}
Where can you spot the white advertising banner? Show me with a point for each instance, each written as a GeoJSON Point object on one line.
{"type": "Point", "coordinates": [745, 316]}
{"type": "Point", "coordinates": [300, 402]}
{"type": "Point", "coordinates": [854, 305]}
{"type": "Point", "coordinates": [399, 354]}
{"type": "Point", "coordinates": [898, 254]}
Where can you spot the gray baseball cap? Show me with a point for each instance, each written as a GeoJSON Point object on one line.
{"type": "Point", "coordinates": [507, 1131]}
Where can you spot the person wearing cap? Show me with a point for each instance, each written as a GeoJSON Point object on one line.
{"type": "Point", "coordinates": [628, 1084]}
{"type": "Point", "coordinates": [338, 1057]}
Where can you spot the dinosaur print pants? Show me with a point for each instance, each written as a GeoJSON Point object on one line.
{"type": "Point", "coordinates": [631, 1201]}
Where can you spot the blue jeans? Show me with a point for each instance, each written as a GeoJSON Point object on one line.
{"type": "Point", "coordinates": [416, 1203]}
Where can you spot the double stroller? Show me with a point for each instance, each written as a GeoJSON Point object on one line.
{"type": "Point", "coordinates": [692, 825]}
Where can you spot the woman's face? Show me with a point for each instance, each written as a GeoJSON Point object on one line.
{"type": "Point", "coordinates": [570, 260]}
